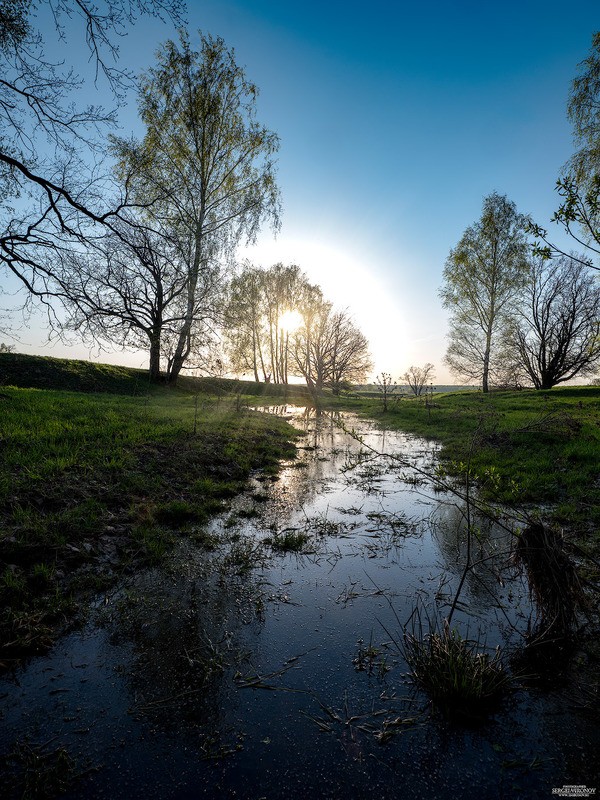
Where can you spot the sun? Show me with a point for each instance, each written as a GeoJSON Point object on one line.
{"type": "Point", "coordinates": [290, 321]}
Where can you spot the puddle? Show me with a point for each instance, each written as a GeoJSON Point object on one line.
{"type": "Point", "coordinates": [249, 672]}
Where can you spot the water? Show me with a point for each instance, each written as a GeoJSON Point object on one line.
{"type": "Point", "coordinates": [245, 672]}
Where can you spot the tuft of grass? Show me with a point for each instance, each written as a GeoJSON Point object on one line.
{"type": "Point", "coordinates": [460, 677]}
{"type": "Point", "coordinates": [288, 541]}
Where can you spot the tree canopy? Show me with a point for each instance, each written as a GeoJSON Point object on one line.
{"type": "Point", "coordinates": [323, 345]}
{"type": "Point", "coordinates": [556, 330]}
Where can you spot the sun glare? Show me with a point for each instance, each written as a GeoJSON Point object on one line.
{"type": "Point", "coordinates": [290, 321]}
{"type": "Point", "coordinates": [348, 283]}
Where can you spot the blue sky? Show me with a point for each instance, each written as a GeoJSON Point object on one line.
{"type": "Point", "coordinates": [395, 120]}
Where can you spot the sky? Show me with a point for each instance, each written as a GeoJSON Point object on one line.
{"type": "Point", "coordinates": [396, 119]}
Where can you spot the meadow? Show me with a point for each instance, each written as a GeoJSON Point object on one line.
{"type": "Point", "coordinates": [101, 471]}
{"type": "Point", "coordinates": [93, 484]}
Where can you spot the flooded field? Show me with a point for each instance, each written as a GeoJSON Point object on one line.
{"type": "Point", "coordinates": [268, 662]}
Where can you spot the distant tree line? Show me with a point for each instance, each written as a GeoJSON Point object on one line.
{"type": "Point", "coordinates": [522, 310]}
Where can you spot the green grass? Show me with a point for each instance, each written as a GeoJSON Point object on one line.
{"type": "Point", "coordinates": [43, 372]}
{"type": "Point", "coordinates": [92, 484]}
{"type": "Point", "coordinates": [289, 541]}
{"type": "Point", "coordinates": [524, 447]}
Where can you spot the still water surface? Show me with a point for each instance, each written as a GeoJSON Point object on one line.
{"type": "Point", "coordinates": [248, 672]}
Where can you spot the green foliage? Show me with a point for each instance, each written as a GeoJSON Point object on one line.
{"type": "Point", "coordinates": [584, 110]}
{"type": "Point", "coordinates": [482, 277]}
{"type": "Point", "coordinates": [286, 541]}
{"type": "Point", "coordinates": [205, 169]}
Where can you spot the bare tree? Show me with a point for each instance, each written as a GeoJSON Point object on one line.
{"type": "Point", "coordinates": [329, 350]}
{"type": "Point", "coordinates": [417, 377]}
{"type": "Point", "coordinates": [55, 195]}
{"type": "Point", "coordinates": [386, 386]}
{"type": "Point", "coordinates": [483, 275]}
{"type": "Point", "coordinates": [557, 330]}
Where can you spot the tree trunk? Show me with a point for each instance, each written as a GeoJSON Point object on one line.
{"type": "Point", "coordinates": [155, 356]}
{"type": "Point", "coordinates": [486, 361]}
{"type": "Point", "coordinates": [182, 350]}
{"type": "Point", "coordinates": [254, 361]}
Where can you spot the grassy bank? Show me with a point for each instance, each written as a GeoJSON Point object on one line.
{"type": "Point", "coordinates": [526, 447]}
{"type": "Point", "coordinates": [92, 485]}
{"type": "Point", "coordinates": [43, 372]}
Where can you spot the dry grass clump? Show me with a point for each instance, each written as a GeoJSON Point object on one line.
{"type": "Point", "coordinates": [553, 580]}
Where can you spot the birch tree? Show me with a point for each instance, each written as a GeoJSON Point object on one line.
{"type": "Point", "coordinates": [482, 278]}
{"type": "Point", "coordinates": [205, 162]}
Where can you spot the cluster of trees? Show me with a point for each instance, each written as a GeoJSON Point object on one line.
{"type": "Point", "coordinates": [132, 249]}
{"type": "Point", "coordinates": [278, 324]}
{"type": "Point", "coordinates": [517, 316]}
{"type": "Point", "coordinates": [524, 310]}
{"type": "Point", "coordinates": [138, 250]}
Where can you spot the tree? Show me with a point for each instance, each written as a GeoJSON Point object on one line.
{"type": "Point", "coordinates": [583, 111]}
{"type": "Point", "coordinates": [386, 386]}
{"type": "Point", "coordinates": [329, 350]}
{"type": "Point", "coordinates": [417, 377]}
{"type": "Point", "coordinates": [557, 329]}
{"type": "Point", "coordinates": [279, 324]}
{"type": "Point", "coordinates": [257, 313]}
{"type": "Point", "coordinates": [206, 164]}
{"type": "Point", "coordinates": [129, 289]}
{"type": "Point", "coordinates": [579, 216]}
{"type": "Point", "coordinates": [244, 323]}
{"type": "Point", "coordinates": [579, 187]}
{"type": "Point", "coordinates": [54, 192]}
{"type": "Point", "coordinates": [483, 274]}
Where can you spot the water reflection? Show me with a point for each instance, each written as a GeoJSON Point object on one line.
{"type": "Point", "coordinates": [233, 673]}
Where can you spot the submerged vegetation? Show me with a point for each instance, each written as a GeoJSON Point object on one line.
{"type": "Point", "coordinates": [524, 447]}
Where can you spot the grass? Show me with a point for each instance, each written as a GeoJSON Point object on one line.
{"type": "Point", "coordinates": [531, 447]}
{"type": "Point", "coordinates": [289, 541]}
{"type": "Point", "coordinates": [458, 674]}
{"type": "Point", "coordinates": [95, 483]}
